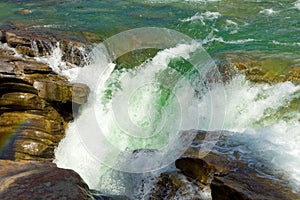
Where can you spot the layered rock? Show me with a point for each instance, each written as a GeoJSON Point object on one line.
{"type": "Point", "coordinates": [35, 102]}
{"type": "Point", "coordinates": [35, 43]}
{"type": "Point", "coordinates": [40, 180]}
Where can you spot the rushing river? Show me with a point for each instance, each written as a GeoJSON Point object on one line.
{"type": "Point", "coordinates": [256, 112]}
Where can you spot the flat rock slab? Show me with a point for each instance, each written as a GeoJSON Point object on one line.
{"type": "Point", "coordinates": [40, 180]}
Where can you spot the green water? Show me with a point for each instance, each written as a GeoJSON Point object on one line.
{"type": "Point", "coordinates": [240, 25]}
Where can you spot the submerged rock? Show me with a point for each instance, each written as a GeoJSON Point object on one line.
{"type": "Point", "coordinates": [259, 69]}
{"type": "Point", "coordinates": [40, 180]}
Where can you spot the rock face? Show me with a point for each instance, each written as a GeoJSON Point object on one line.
{"type": "Point", "coordinates": [35, 103]}
{"type": "Point", "coordinates": [40, 180]}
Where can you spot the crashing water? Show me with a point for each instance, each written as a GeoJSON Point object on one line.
{"type": "Point", "coordinates": [253, 113]}
{"type": "Point", "coordinates": [174, 111]}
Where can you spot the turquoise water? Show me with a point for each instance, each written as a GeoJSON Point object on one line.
{"type": "Point", "coordinates": [267, 26]}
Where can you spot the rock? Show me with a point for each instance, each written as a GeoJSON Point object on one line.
{"type": "Point", "coordinates": [174, 185]}
{"type": "Point", "coordinates": [73, 52]}
{"type": "Point", "coordinates": [100, 196]}
{"type": "Point", "coordinates": [229, 177]}
{"type": "Point", "coordinates": [260, 69]}
{"type": "Point", "coordinates": [25, 11]}
{"type": "Point", "coordinates": [246, 184]}
{"type": "Point", "coordinates": [40, 180]}
{"type": "Point", "coordinates": [2, 37]}
{"type": "Point", "coordinates": [31, 136]}
{"type": "Point", "coordinates": [31, 67]}
{"type": "Point", "coordinates": [22, 101]}
{"type": "Point", "coordinates": [35, 102]}
{"type": "Point", "coordinates": [59, 91]}
{"type": "Point", "coordinates": [135, 58]}
{"type": "Point", "coordinates": [92, 37]}
{"type": "Point", "coordinates": [35, 43]}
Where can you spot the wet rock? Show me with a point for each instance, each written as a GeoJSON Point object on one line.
{"type": "Point", "coordinates": [22, 101]}
{"type": "Point", "coordinates": [36, 43]}
{"type": "Point", "coordinates": [135, 58]}
{"type": "Point", "coordinates": [59, 91]}
{"type": "Point", "coordinates": [73, 52]}
{"type": "Point", "coordinates": [259, 69]}
{"type": "Point", "coordinates": [226, 70]}
{"type": "Point", "coordinates": [92, 37]}
{"type": "Point", "coordinates": [100, 196]}
{"type": "Point", "coordinates": [25, 11]}
{"type": "Point", "coordinates": [2, 37]}
{"type": "Point", "coordinates": [174, 185]}
{"type": "Point", "coordinates": [35, 102]}
{"type": "Point", "coordinates": [40, 180]}
{"type": "Point", "coordinates": [31, 135]}
{"type": "Point", "coordinates": [228, 176]}
{"type": "Point", "coordinates": [246, 184]}
{"type": "Point", "coordinates": [294, 75]}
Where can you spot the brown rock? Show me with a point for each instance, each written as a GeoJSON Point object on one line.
{"type": "Point", "coordinates": [35, 102]}
{"type": "Point", "coordinates": [25, 11]}
{"type": "Point", "coordinates": [16, 85]}
{"type": "Point", "coordinates": [135, 58]}
{"type": "Point", "coordinates": [246, 184]}
{"type": "Point", "coordinates": [229, 177]}
{"type": "Point", "coordinates": [40, 180]}
{"type": "Point", "coordinates": [92, 37]}
{"type": "Point", "coordinates": [63, 92]}
{"type": "Point", "coordinates": [2, 37]}
{"type": "Point", "coordinates": [20, 100]}
{"type": "Point", "coordinates": [37, 43]}
{"type": "Point", "coordinates": [74, 52]}
{"type": "Point", "coordinates": [174, 185]}
{"type": "Point", "coordinates": [259, 69]}
{"type": "Point", "coordinates": [30, 136]}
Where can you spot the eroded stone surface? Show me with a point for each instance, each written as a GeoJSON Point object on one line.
{"type": "Point", "coordinates": [40, 180]}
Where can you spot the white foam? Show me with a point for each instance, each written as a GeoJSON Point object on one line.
{"type": "Point", "coordinates": [268, 11]}
{"type": "Point", "coordinates": [285, 43]}
{"type": "Point", "coordinates": [48, 26]}
{"type": "Point", "coordinates": [297, 4]}
{"type": "Point", "coordinates": [94, 167]}
{"type": "Point", "coordinates": [212, 38]}
{"type": "Point", "coordinates": [203, 16]}
{"type": "Point", "coordinates": [230, 22]}
{"type": "Point", "coordinates": [252, 110]}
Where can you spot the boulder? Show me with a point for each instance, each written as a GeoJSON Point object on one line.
{"type": "Point", "coordinates": [40, 180]}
